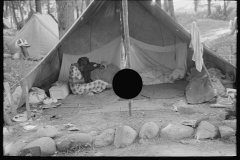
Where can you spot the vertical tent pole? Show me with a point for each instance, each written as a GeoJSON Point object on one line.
{"type": "Point", "coordinates": [126, 42]}
{"type": "Point", "coordinates": [25, 87]}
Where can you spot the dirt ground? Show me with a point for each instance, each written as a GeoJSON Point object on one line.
{"type": "Point", "coordinates": [100, 117]}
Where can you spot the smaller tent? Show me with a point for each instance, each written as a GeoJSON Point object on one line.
{"type": "Point", "coordinates": [6, 24]}
{"type": "Point", "coordinates": [41, 33]}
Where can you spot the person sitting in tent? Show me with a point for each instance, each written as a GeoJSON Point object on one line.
{"type": "Point", "coordinates": [79, 78]}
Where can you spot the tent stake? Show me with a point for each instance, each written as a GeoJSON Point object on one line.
{"type": "Point", "coordinates": [126, 41]}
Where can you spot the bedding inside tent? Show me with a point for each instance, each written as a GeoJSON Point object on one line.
{"type": "Point", "coordinates": [159, 45]}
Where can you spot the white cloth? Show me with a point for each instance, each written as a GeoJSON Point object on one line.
{"type": "Point", "coordinates": [197, 46]}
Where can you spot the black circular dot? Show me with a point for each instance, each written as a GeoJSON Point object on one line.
{"type": "Point", "coordinates": [127, 84]}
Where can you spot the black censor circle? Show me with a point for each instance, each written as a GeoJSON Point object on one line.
{"type": "Point", "coordinates": [127, 84]}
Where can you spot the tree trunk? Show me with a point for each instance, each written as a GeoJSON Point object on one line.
{"type": "Point", "coordinates": [48, 7]}
{"type": "Point", "coordinates": [195, 5]}
{"type": "Point", "coordinates": [165, 4]}
{"type": "Point", "coordinates": [159, 3]}
{"type": "Point", "coordinates": [77, 11]}
{"type": "Point", "coordinates": [171, 9]}
{"type": "Point", "coordinates": [224, 8]}
{"type": "Point", "coordinates": [21, 12]}
{"type": "Point", "coordinates": [65, 10]}
{"type": "Point", "coordinates": [14, 16]}
{"type": "Point", "coordinates": [5, 11]}
{"type": "Point", "coordinates": [209, 7]}
{"type": "Point", "coordinates": [82, 6]}
{"type": "Point", "coordinates": [38, 6]}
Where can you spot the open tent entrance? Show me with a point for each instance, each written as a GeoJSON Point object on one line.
{"type": "Point", "coordinates": [155, 51]}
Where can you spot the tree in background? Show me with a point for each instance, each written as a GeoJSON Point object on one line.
{"type": "Point", "coordinates": [65, 12]}
{"type": "Point", "coordinates": [20, 6]}
{"type": "Point", "coordinates": [165, 6]}
{"type": "Point", "coordinates": [48, 7]}
{"type": "Point", "coordinates": [209, 8]}
{"type": "Point", "coordinates": [13, 5]}
{"type": "Point", "coordinates": [38, 6]}
{"type": "Point", "coordinates": [171, 9]}
{"type": "Point", "coordinates": [196, 2]}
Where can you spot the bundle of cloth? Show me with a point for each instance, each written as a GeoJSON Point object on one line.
{"type": "Point", "coordinates": [199, 89]}
{"type": "Point", "coordinates": [160, 74]}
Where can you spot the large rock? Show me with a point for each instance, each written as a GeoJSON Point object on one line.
{"type": "Point", "coordinates": [124, 136]}
{"type": "Point", "coordinates": [66, 142]}
{"type": "Point", "coordinates": [206, 130]}
{"type": "Point", "coordinates": [226, 131]}
{"type": "Point", "coordinates": [105, 138]}
{"type": "Point", "coordinates": [149, 130]}
{"type": "Point", "coordinates": [47, 131]}
{"type": "Point", "coordinates": [176, 131]}
{"type": "Point", "coordinates": [231, 123]}
{"type": "Point", "coordinates": [47, 145]}
{"type": "Point", "coordinates": [13, 149]}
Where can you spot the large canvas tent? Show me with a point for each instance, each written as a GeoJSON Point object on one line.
{"type": "Point", "coordinates": [155, 39]}
{"type": "Point", "coordinates": [41, 33]}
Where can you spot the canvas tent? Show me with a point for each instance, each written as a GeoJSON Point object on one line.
{"type": "Point", "coordinates": [155, 38]}
{"type": "Point", "coordinates": [41, 32]}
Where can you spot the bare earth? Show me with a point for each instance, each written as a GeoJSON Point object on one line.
{"type": "Point", "coordinates": [100, 117]}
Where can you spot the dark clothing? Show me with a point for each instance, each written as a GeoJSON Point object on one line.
{"type": "Point", "coordinates": [87, 68]}
{"type": "Point", "coordinates": [87, 71]}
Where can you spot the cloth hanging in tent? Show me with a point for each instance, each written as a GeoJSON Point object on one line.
{"type": "Point", "coordinates": [197, 46]}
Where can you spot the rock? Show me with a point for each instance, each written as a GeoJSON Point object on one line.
{"type": "Point", "coordinates": [226, 131]}
{"type": "Point", "coordinates": [231, 123]}
{"type": "Point", "coordinates": [224, 116]}
{"type": "Point", "coordinates": [176, 131]}
{"type": "Point", "coordinates": [16, 55]}
{"type": "Point", "coordinates": [124, 136]}
{"type": "Point", "coordinates": [149, 130]}
{"type": "Point", "coordinates": [93, 133]}
{"type": "Point", "coordinates": [206, 130]}
{"type": "Point", "coordinates": [90, 94]}
{"type": "Point", "coordinates": [105, 138]}
{"type": "Point", "coordinates": [13, 149]}
{"type": "Point", "coordinates": [47, 145]}
{"type": "Point", "coordinates": [47, 131]}
{"type": "Point", "coordinates": [66, 142]}
{"type": "Point", "coordinates": [98, 154]}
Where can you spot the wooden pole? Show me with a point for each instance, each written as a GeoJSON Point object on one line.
{"type": "Point", "coordinates": [24, 86]}
{"type": "Point", "coordinates": [210, 79]}
{"type": "Point", "coordinates": [126, 41]}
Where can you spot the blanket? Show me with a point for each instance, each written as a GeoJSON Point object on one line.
{"type": "Point", "coordinates": [105, 75]}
